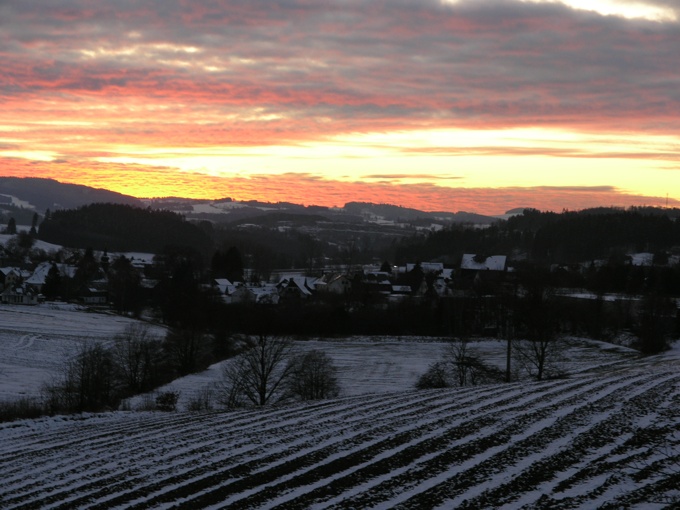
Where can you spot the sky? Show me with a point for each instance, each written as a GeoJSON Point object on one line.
{"type": "Point", "coordinates": [441, 105]}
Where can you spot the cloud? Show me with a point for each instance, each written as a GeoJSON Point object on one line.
{"type": "Point", "coordinates": [544, 151]}
{"type": "Point", "coordinates": [478, 64]}
{"type": "Point", "coordinates": [83, 81]}
{"type": "Point", "coordinates": [425, 177]}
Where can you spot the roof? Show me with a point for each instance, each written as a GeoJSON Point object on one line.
{"type": "Point", "coordinates": [493, 263]}
{"type": "Point", "coordinates": [299, 283]}
{"type": "Point", "coordinates": [40, 273]}
{"type": "Point", "coordinates": [224, 285]}
{"type": "Point", "coordinates": [8, 270]}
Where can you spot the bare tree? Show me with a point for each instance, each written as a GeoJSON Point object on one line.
{"type": "Point", "coordinates": [540, 344]}
{"type": "Point", "coordinates": [459, 366]}
{"type": "Point", "coordinates": [187, 350]}
{"type": "Point", "coordinates": [313, 376]}
{"type": "Point", "coordinates": [258, 376]}
{"type": "Point", "coordinates": [87, 382]}
{"type": "Point", "coordinates": [467, 368]}
{"type": "Point", "coordinates": [459, 360]}
{"type": "Point", "coordinates": [137, 354]}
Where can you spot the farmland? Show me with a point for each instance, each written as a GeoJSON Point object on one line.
{"type": "Point", "coordinates": [607, 436]}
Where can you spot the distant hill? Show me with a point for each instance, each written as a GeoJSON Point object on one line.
{"type": "Point", "coordinates": [406, 214]}
{"type": "Point", "coordinates": [42, 194]}
{"type": "Point", "coordinates": [20, 197]}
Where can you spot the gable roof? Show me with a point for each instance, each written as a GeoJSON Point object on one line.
{"type": "Point", "coordinates": [40, 273]}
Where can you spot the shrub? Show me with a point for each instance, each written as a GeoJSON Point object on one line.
{"type": "Point", "coordinates": [21, 408]}
{"type": "Point", "coordinates": [436, 376]}
{"type": "Point", "coordinates": [313, 376]}
{"type": "Point", "coordinates": [202, 401]}
{"type": "Point", "coordinates": [167, 401]}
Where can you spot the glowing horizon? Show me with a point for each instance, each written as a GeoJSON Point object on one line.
{"type": "Point", "coordinates": [436, 105]}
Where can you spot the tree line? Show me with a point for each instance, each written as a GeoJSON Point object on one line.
{"type": "Point", "coordinates": [548, 237]}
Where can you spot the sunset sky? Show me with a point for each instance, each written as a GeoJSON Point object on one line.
{"type": "Point", "coordinates": [459, 105]}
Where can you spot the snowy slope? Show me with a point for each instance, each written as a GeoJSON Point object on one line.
{"type": "Point", "coordinates": [36, 340]}
{"type": "Point", "coordinates": [586, 442]}
{"type": "Point", "coordinates": [606, 437]}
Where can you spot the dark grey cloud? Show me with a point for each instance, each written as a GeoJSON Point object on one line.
{"type": "Point", "coordinates": [400, 63]}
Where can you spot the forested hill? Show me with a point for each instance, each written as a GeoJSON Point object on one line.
{"type": "Point", "coordinates": [122, 228]}
{"type": "Point", "coordinates": [45, 194]}
{"type": "Point", "coordinates": [556, 237]}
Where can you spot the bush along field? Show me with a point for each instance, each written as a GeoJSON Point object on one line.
{"type": "Point", "coordinates": [607, 439]}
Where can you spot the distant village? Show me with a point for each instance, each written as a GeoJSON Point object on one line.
{"type": "Point", "coordinates": [378, 285]}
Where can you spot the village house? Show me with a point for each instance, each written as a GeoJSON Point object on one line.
{"type": "Point", "coordinates": [9, 277]}
{"type": "Point", "coordinates": [295, 288]}
{"type": "Point", "coordinates": [37, 278]}
{"type": "Point", "coordinates": [19, 296]}
{"type": "Point", "coordinates": [334, 283]}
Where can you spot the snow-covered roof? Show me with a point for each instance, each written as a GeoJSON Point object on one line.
{"type": "Point", "coordinates": [300, 283]}
{"type": "Point", "coordinates": [40, 273]}
{"type": "Point", "coordinates": [225, 286]}
{"type": "Point", "coordinates": [7, 270]}
{"type": "Point", "coordinates": [493, 263]}
{"type": "Point", "coordinates": [641, 259]}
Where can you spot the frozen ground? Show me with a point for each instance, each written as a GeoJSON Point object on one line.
{"type": "Point", "coordinates": [606, 437]}
{"type": "Point", "coordinates": [606, 441]}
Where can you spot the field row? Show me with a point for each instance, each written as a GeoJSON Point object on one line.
{"type": "Point", "coordinates": [572, 443]}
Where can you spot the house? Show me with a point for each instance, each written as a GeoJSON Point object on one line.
{"type": "Point", "coordinates": [334, 283]}
{"type": "Point", "coordinates": [294, 288]}
{"type": "Point", "coordinates": [242, 294]}
{"type": "Point", "coordinates": [266, 294]}
{"type": "Point", "coordinates": [482, 273]}
{"type": "Point", "coordinates": [19, 296]}
{"type": "Point", "coordinates": [9, 277]}
{"type": "Point", "coordinates": [37, 279]}
{"type": "Point", "coordinates": [92, 296]}
{"type": "Point", "coordinates": [225, 287]}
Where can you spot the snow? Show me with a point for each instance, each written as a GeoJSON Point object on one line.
{"type": "Point", "coordinates": [493, 263]}
{"type": "Point", "coordinates": [41, 245]}
{"type": "Point", "coordinates": [568, 443]}
{"type": "Point", "coordinates": [36, 340]}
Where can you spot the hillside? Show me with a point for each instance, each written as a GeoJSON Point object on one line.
{"type": "Point", "coordinates": [606, 440]}
{"type": "Point", "coordinates": [42, 194]}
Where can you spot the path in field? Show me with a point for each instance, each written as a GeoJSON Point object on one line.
{"type": "Point", "coordinates": [585, 442]}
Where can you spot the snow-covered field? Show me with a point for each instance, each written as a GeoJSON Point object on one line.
{"type": "Point", "coordinates": [606, 437]}
{"type": "Point", "coordinates": [36, 340]}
